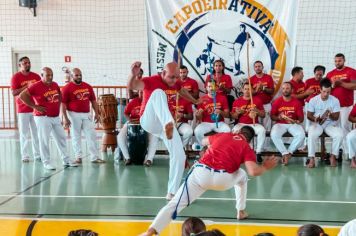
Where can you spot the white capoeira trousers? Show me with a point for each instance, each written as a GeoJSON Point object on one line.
{"type": "Point", "coordinates": [79, 122]}
{"type": "Point", "coordinates": [296, 130]}
{"type": "Point", "coordinates": [345, 125]}
{"type": "Point", "coordinates": [26, 125]}
{"type": "Point", "coordinates": [153, 120]}
{"type": "Point", "coordinates": [351, 143]}
{"type": "Point", "coordinates": [45, 126]}
{"type": "Point", "coordinates": [315, 130]}
{"type": "Point", "coordinates": [260, 132]}
{"type": "Point", "coordinates": [206, 127]}
{"type": "Point", "coordinates": [185, 131]}
{"type": "Point", "coordinates": [199, 181]}
{"type": "Point", "coordinates": [266, 121]}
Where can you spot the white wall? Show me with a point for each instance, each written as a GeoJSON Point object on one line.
{"type": "Point", "coordinates": [105, 36]}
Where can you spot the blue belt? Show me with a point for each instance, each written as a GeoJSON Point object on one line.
{"type": "Point", "coordinates": [209, 168]}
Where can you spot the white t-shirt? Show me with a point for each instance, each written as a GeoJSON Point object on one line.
{"type": "Point", "coordinates": [319, 107]}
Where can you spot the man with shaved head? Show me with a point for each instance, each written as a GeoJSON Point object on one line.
{"type": "Point", "coordinates": [76, 99]}
{"type": "Point", "coordinates": [159, 94]}
{"type": "Point", "coordinates": [46, 103]}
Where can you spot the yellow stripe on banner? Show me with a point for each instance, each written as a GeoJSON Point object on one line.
{"type": "Point", "coordinates": [57, 227]}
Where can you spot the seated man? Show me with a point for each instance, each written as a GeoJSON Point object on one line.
{"type": "Point", "coordinates": [246, 113]}
{"type": "Point", "coordinates": [287, 112]}
{"type": "Point", "coordinates": [323, 112]}
{"type": "Point", "coordinates": [207, 115]}
{"type": "Point", "coordinates": [351, 139]}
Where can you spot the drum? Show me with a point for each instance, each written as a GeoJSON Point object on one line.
{"type": "Point", "coordinates": [107, 106]}
{"type": "Point", "coordinates": [137, 143]}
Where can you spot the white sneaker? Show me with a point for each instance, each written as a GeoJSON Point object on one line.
{"type": "Point", "coordinates": [70, 163]}
{"type": "Point", "coordinates": [48, 166]}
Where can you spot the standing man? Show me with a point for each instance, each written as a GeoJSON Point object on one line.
{"type": "Point", "coordinates": [343, 75]}
{"type": "Point", "coordinates": [287, 112]}
{"type": "Point", "coordinates": [206, 114]}
{"type": "Point", "coordinates": [323, 112]}
{"type": "Point", "coordinates": [246, 113]}
{"type": "Point", "coordinates": [351, 139]}
{"type": "Point", "coordinates": [47, 99]}
{"type": "Point", "coordinates": [314, 83]}
{"type": "Point", "coordinates": [19, 82]}
{"type": "Point", "coordinates": [263, 88]}
{"type": "Point", "coordinates": [218, 169]}
{"type": "Point", "coordinates": [156, 118]}
{"type": "Point", "coordinates": [298, 85]}
{"type": "Point", "coordinates": [188, 83]}
{"type": "Point", "coordinates": [76, 99]}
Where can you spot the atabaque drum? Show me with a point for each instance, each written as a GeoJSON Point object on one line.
{"type": "Point", "coordinates": [107, 106]}
{"type": "Point", "coordinates": [137, 142]}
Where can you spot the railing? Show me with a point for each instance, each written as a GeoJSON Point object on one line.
{"type": "Point", "coordinates": [8, 115]}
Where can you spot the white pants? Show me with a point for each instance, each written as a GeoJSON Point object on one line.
{"type": "Point", "coordinates": [153, 120]}
{"type": "Point", "coordinates": [260, 132]}
{"type": "Point", "coordinates": [79, 122]}
{"type": "Point", "coordinates": [199, 181]}
{"type": "Point", "coordinates": [46, 126]}
{"type": "Point", "coordinates": [26, 124]}
{"type": "Point", "coordinates": [351, 143]}
{"type": "Point", "coordinates": [315, 130]}
{"type": "Point", "coordinates": [296, 130]}
{"type": "Point", "coordinates": [266, 121]}
{"type": "Point", "coordinates": [184, 130]}
{"type": "Point", "coordinates": [345, 125]}
{"type": "Point", "coordinates": [206, 127]}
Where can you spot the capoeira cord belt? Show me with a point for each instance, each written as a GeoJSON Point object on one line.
{"type": "Point", "coordinates": [185, 186]}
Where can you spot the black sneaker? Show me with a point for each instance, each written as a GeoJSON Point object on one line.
{"type": "Point", "coordinates": [259, 158]}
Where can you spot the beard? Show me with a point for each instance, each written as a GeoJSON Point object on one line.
{"type": "Point", "coordinates": [77, 81]}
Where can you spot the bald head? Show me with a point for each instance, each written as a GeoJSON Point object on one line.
{"type": "Point", "coordinates": [170, 73]}
{"type": "Point", "coordinates": [47, 75]}
{"type": "Point", "coordinates": [76, 75]}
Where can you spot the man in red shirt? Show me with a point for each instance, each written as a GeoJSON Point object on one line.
{"type": "Point", "coordinates": [159, 93]}
{"type": "Point", "coordinates": [263, 88]}
{"type": "Point", "coordinates": [287, 112]}
{"type": "Point", "coordinates": [345, 93]}
{"type": "Point", "coordinates": [188, 83]}
{"type": "Point", "coordinates": [246, 113]}
{"type": "Point", "coordinates": [206, 113]}
{"type": "Point", "coordinates": [46, 104]}
{"type": "Point", "coordinates": [19, 82]}
{"type": "Point", "coordinates": [218, 169]}
{"type": "Point", "coordinates": [351, 138]}
{"type": "Point", "coordinates": [298, 86]}
{"type": "Point", "coordinates": [76, 99]}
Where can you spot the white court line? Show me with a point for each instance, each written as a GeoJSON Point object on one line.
{"type": "Point", "coordinates": [208, 222]}
{"type": "Point", "coordinates": [157, 197]}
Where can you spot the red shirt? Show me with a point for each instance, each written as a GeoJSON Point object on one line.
{"type": "Point", "coordinates": [353, 112]}
{"type": "Point", "coordinates": [314, 84]}
{"type": "Point", "coordinates": [293, 109]}
{"type": "Point", "coordinates": [132, 110]}
{"type": "Point", "coordinates": [224, 80]}
{"type": "Point", "coordinates": [227, 151]}
{"type": "Point", "coordinates": [266, 81]}
{"type": "Point", "coordinates": [184, 107]}
{"type": "Point", "coordinates": [345, 96]}
{"type": "Point", "coordinates": [155, 82]}
{"type": "Point", "coordinates": [190, 84]}
{"type": "Point", "coordinates": [77, 97]}
{"type": "Point", "coordinates": [46, 96]}
{"type": "Point", "coordinates": [298, 88]}
{"type": "Point", "coordinates": [208, 106]}
{"type": "Point", "coordinates": [242, 103]}
{"type": "Point", "coordinates": [20, 80]}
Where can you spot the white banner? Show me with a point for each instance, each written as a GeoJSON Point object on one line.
{"type": "Point", "coordinates": [206, 30]}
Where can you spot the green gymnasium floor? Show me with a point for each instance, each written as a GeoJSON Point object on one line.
{"type": "Point", "coordinates": [113, 199]}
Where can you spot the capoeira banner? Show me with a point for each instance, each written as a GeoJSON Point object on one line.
{"type": "Point", "coordinates": [206, 30]}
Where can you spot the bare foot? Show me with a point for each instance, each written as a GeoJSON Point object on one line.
{"type": "Point", "coordinates": [241, 215]}
{"type": "Point", "coordinates": [285, 159]}
{"type": "Point", "coordinates": [169, 130]}
{"type": "Point", "coordinates": [353, 162]}
{"type": "Point", "coordinates": [311, 163]}
{"type": "Point", "coordinates": [333, 161]}
{"type": "Point", "coordinates": [149, 232]}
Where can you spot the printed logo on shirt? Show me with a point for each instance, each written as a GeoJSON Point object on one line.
{"type": "Point", "coordinates": [210, 107]}
{"type": "Point", "coordinates": [81, 94]}
{"type": "Point", "coordinates": [28, 82]}
{"type": "Point", "coordinates": [338, 77]}
{"type": "Point", "coordinates": [52, 96]}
